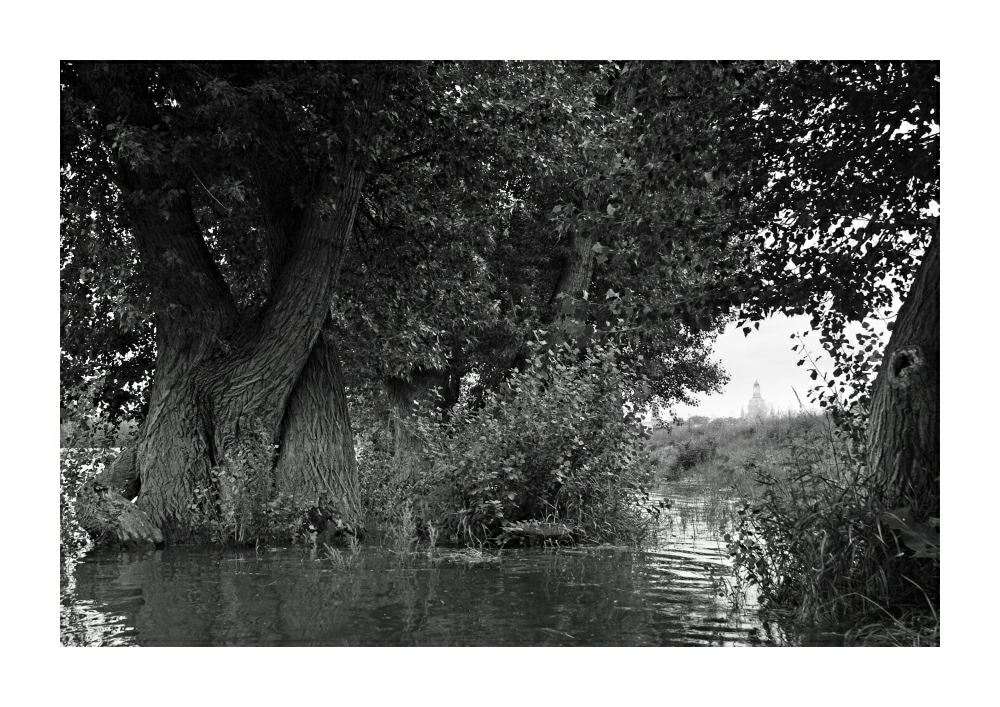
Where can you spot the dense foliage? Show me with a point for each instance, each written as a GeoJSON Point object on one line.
{"type": "Point", "coordinates": [552, 445]}
{"type": "Point", "coordinates": [455, 255]}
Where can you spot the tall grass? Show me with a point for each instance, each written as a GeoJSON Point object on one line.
{"type": "Point", "coordinates": [811, 531]}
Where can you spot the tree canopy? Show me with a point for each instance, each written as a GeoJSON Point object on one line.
{"type": "Point", "coordinates": [482, 177]}
{"type": "Point", "coordinates": [251, 249]}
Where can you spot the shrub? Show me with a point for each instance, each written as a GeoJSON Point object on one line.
{"type": "Point", "coordinates": [552, 445]}
{"type": "Point", "coordinates": [88, 443]}
{"type": "Point", "coordinates": [384, 489]}
{"type": "Point", "coordinates": [819, 544]}
{"type": "Point", "coordinates": [692, 452]}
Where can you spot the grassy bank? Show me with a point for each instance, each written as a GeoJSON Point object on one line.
{"type": "Point", "coordinates": [810, 530]}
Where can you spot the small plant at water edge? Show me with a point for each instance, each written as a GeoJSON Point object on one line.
{"type": "Point", "coordinates": [237, 506]}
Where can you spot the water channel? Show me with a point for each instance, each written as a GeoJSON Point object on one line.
{"type": "Point", "coordinates": [667, 594]}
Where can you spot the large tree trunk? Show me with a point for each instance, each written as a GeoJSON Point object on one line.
{"type": "Point", "coordinates": [243, 409]}
{"type": "Point", "coordinates": [904, 424]}
{"type": "Point", "coordinates": [196, 310]}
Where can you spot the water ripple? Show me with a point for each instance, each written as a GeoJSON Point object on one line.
{"type": "Point", "coordinates": [609, 595]}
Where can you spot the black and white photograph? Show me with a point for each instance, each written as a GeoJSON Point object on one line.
{"type": "Point", "coordinates": [500, 353]}
{"type": "Point", "coordinates": [493, 353]}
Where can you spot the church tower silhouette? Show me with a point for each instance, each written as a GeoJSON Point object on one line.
{"type": "Point", "coordinates": [757, 407]}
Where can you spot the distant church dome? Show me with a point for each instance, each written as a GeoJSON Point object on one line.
{"type": "Point", "coordinates": [757, 406]}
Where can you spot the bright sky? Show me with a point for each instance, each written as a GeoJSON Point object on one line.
{"type": "Point", "coordinates": [766, 356]}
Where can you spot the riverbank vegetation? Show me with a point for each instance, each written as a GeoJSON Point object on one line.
{"type": "Point", "coordinates": [545, 456]}
{"type": "Point", "coordinates": [811, 533]}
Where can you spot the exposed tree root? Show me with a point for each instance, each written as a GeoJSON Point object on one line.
{"type": "Point", "coordinates": [105, 510]}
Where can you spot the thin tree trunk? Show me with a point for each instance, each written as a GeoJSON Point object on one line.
{"type": "Point", "coordinates": [574, 283]}
{"type": "Point", "coordinates": [904, 424]}
{"type": "Point", "coordinates": [403, 397]}
{"type": "Point", "coordinates": [578, 268]}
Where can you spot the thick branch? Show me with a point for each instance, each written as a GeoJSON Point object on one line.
{"type": "Point", "coordinates": [273, 178]}
{"type": "Point", "coordinates": [188, 287]}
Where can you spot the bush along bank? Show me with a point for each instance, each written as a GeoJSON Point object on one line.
{"type": "Point", "coordinates": [548, 458]}
{"type": "Point", "coordinates": [812, 534]}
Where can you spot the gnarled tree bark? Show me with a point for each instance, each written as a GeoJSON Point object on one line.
{"type": "Point", "coordinates": [316, 466]}
{"type": "Point", "coordinates": [104, 510]}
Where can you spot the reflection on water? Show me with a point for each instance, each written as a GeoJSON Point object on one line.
{"type": "Point", "coordinates": [665, 595]}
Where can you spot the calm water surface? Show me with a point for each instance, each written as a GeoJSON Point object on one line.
{"type": "Point", "coordinates": [663, 595]}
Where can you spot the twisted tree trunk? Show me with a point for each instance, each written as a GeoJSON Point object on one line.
{"type": "Point", "coordinates": [246, 410]}
{"type": "Point", "coordinates": [243, 411]}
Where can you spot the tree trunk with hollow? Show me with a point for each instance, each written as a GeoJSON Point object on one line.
{"type": "Point", "coordinates": [904, 424]}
